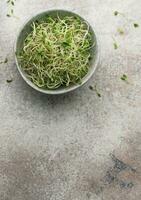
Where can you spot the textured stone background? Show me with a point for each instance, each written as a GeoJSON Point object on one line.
{"type": "Point", "coordinates": [76, 146]}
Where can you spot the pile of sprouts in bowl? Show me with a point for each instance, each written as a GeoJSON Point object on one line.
{"type": "Point", "coordinates": [57, 51]}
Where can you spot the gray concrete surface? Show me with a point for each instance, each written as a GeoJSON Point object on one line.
{"type": "Point", "coordinates": [76, 146]}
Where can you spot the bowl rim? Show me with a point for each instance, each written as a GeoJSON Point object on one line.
{"type": "Point", "coordinates": [64, 89]}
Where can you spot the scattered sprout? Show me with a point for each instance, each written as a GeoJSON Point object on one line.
{"type": "Point", "coordinates": [124, 77]}
{"type": "Point", "coordinates": [95, 89]}
{"type": "Point", "coordinates": [136, 25]}
{"type": "Point", "coordinates": [5, 61]}
{"type": "Point", "coordinates": [10, 3]}
{"type": "Point", "coordinates": [121, 14]}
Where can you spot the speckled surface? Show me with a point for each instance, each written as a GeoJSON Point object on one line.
{"type": "Point", "coordinates": [76, 146]}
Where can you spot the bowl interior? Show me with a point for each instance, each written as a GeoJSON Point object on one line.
{"type": "Point", "coordinates": [27, 29]}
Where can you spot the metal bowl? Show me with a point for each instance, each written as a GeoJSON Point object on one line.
{"type": "Point", "coordinates": [26, 29]}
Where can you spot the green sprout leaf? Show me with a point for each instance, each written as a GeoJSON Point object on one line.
{"type": "Point", "coordinates": [136, 25]}
{"type": "Point", "coordinates": [115, 45]}
{"type": "Point", "coordinates": [9, 80]}
{"type": "Point", "coordinates": [91, 87]}
{"type": "Point", "coordinates": [8, 15]}
{"type": "Point", "coordinates": [5, 61]}
{"type": "Point", "coordinates": [124, 77]}
{"type": "Point", "coordinates": [116, 13]}
{"type": "Point", "coordinates": [12, 3]}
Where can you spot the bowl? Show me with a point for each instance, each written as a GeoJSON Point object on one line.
{"type": "Point", "coordinates": [26, 29]}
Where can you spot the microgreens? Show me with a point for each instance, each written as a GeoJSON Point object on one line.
{"type": "Point", "coordinates": [57, 52]}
